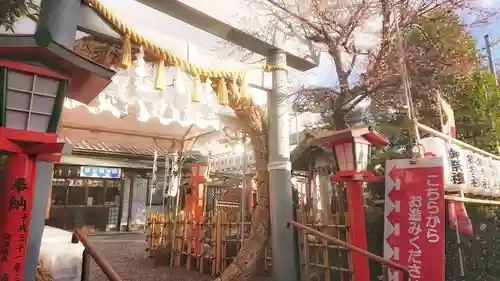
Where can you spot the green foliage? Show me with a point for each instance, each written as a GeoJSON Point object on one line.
{"type": "Point", "coordinates": [443, 60]}
{"type": "Point", "coordinates": [481, 251]}
{"type": "Point", "coordinates": [13, 10]}
{"type": "Point", "coordinates": [477, 113]}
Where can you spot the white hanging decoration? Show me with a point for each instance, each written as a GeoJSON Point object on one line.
{"type": "Point", "coordinates": [470, 172]}
{"type": "Point", "coordinates": [174, 182]}
{"type": "Point", "coordinates": [167, 100]}
{"type": "Point", "coordinates": [211, 104]}
{"type": "Point", "coordinates": [178, 83]}
{"type": "Point", "coordinates": [124, 89]}
{"type": "Point", "coordinates": [107, 103]}
{"type": "Point", "coordinates": [182, 97]}
{"type": "Point", "coordinates": [458, 163]}
{"type": "Point", "coordinates": [496, 169]}
{"type": "Point", "coordinates": [476, 169]}
{"type": "Point", "coordinates": [120, 106]}
{"type": "Point", "coordinates": [130, 96]}
{"type": "Point", "coordinates": [491, 176]}
{"type": "Point", "coordinates": [143, 112]}
{"type": "Point", "coordinates": [185, 114]}
{"type": "Point", "coordinates": [115, 111]}
{"type": "Point", "coordinates": [169, 114]}
{"type": "Point", "coordinates": [139, 65]}
{"type": "Point", "coordinates": [103, 102]}
{"type": "Point", "coordinates": [484, 168]}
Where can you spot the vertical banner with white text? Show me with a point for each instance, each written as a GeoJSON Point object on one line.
{"type": "Point", "coordinates": [414, 217]}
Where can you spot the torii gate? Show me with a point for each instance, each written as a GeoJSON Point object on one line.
{"type": "Point", "coordinates": [58, 16]}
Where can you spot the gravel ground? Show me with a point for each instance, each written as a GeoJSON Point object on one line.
{"type": "Point", "coordinates": [127, 256]}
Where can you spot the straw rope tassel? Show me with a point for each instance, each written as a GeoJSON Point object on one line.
{"type": "Point", "coordinates": [160, 79]}
{"type": "Point", "coordinates": [126, 59]}
{"type": "Point", "coordinates": [197, 88]}
{"type": "Point", "coordinates": [222, 92]}
{"type": "Point", "coordinates": [169, 58]}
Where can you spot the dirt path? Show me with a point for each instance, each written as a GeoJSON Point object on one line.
{"type": "Point", "coordinates": [126, 255]}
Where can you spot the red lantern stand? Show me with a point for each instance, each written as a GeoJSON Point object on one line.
{"type": "Point", "coordinates": [35, 76]}
{"type": "Point", "coordinates": [194, 200]}
{"type": "Point", "coordinates": [352, 147]}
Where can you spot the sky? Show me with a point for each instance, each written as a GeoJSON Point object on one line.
{"type": "Point", "coordinates": [493, 30]}
{"type": "Point", "coordinates": [147, 21]}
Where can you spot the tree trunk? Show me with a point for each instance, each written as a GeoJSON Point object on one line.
{"type": "Point", "coordinates": [246, 261]}
{"type": "Point", "coordinates": [255, 125]}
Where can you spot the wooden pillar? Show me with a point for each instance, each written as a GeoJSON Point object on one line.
{"type": "Point", "coordinates": [130, 201]}
{"type": "Point", "coordinates": [49, 203]}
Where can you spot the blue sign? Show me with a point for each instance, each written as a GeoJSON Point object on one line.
{"type": "Point", "coordinates": [100, 172]}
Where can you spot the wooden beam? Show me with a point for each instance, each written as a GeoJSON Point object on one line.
{"type": "Point", "coordinates": [91, 22]}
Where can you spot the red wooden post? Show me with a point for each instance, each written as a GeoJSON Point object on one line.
{"type": "Point", "coordinates": [16, 203]}
{"type": "Point", "coordinates": [196, 199]}
{"type": "Point", "coordinates": [16, 197]}
{"type": "Point", "coordinates": [352, 154]}
{"type": "Point", "coordinates": [357, 230]}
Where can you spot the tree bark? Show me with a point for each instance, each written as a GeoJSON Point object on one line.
{"type": "Point", "coordinates": [255, 125]}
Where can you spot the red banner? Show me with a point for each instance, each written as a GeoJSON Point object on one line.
{"type": "Point", "coordinates": [16, 194]}
{"type": "Point", "coordinates": [457, 215]}
{"type": "Point", "coordinates": [415, 222]}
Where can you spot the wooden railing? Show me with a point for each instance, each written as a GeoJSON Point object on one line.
{"type": "Point", "coordinates": [91, 250]}
{"type": "Point", "coordinates": [386, 264]}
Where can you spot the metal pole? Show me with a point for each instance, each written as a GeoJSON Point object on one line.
{"type": "Point", "coordinates": [243, 190]}
{"type": "Point", "coordinates": [493, 71]}
{"type": "Point", "coordinates": [283, 244]}
{"type": "Point", "coordinates": [491, 64]}
{"type": "Point", "coordinates": [460, 255]}
{"type": "Point", "coordinates": [85, 276]}
{"type": "Point", "coordinates": [92, 250]}
{"type": "Point", "coordinates": [43, 181]}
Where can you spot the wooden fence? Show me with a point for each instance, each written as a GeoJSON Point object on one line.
{"type": "Point", "coordinates": [208, 246]}
{"type": "Point", "coordinates": [319, 259]}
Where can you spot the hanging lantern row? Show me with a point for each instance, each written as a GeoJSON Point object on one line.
{"type": "Point", "coordinates": [465, 170]}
